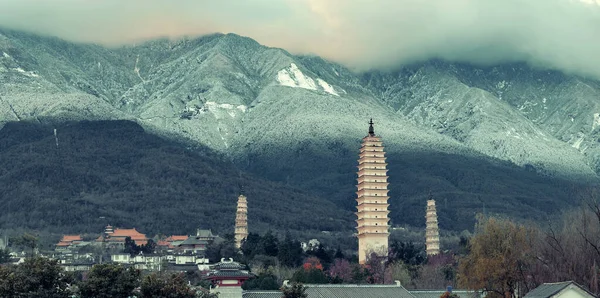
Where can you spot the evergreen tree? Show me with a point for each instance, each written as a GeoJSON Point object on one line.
{"type": "Point", "coordinates": [290, 252]}
{"type": "Point", "coordinates": [297, 290]}
{"type": "Point", "coordinates": [110, 280]}
{"type": "Point", "coordinates": [269, 244]}
{"type": "Point", "coordinates": [171, 286]}
{"type": "Point", "coordinates": [36, 277]}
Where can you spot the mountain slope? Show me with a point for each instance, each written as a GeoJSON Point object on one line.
{"type": "Point", "coordinates": [112, 172]}
{"type": "Point", "coordinates": [455, 130]}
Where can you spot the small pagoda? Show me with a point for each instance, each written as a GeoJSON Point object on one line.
{"type": "Point", "coordinates": [241, 221]}
{"type": "Point", "coordinates": [432, 232]}
{"type": "Point", "coordinates": [372, 198]}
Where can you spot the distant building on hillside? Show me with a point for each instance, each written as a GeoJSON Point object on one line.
{"type": "Point", "coordinates": [67, 241]}
{"type": "Point", "coordinates": [205, 235]}
{"type": "Point", "coordinates": [171, 243]}
{"type": "Point", "coordinates": [116, 237]}
{"type": "Point", "coordinates": [372, 201]}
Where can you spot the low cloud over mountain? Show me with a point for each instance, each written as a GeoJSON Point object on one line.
{"type": "Point", "coordinates": [561, 34]}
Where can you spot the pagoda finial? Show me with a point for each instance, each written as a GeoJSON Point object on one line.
{"type": "Point", "coordinates": [371, 130]}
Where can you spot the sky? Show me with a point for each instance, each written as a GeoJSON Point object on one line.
{"type": "Point", "coordinates": [362, 34]}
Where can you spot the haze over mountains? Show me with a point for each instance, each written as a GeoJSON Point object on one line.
{"type": "Point", "coordinates": [510, 138]}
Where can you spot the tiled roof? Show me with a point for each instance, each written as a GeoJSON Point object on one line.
{"type": "Point", "coordinates": [341, 291]}
{"type": "Point", "coordinates": [193, 241]}
{"type": "Point", "coordinates": [62, 243]}
{"type": "Point", "coordinates": [551, 289]}
{"type": "Point", "coordinates": [262, 294]}
{"type": "Point", "coordinates": [438, 293]}
{"type": "Point", "coordinates": [362, 291]}
{"type": "Point", "coordinates": [177, 238]}
{"type": "Point", "coordinates": [236, 273]}
{"type": "Point", "coordinates": [204, 233]}
{"type": "Point", "coordinates": [70, 238]}
{"type": "Point", "coordinates": [133, 233]}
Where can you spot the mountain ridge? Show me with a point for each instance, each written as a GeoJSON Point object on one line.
{"type": "Point", "coordinates": [298, 119]}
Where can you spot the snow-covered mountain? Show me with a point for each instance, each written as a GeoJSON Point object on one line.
{"type": "Point", "coordinates": [300, 119]}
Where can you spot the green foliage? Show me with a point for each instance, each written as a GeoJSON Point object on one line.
{"type": "Point", "coordinates": [296, 290]}
{"type": "Point", "coordinates": [110, 280]}
{"type": "Point", "coordinates": [4, 256]}
{"type": "Point", "coordinates": [113, 172]}
{"type": "Point", "coordinates": [36, 277]}
{"type": "Point", "coordinates": [132, 248]}
{"type": "Point", "coordinates": [219, 249]}
{"type": "Point", "coordinates": [310, 276]}
{"type": "Point", "coordinates": [264, 281]}
{"type": "Point", "coordinates": [407, 252]}
{"type": "Point", "coordinates": [290, 252]}
{"type": "Point", "coordinates": [26, 241]}
{"type": "Point", "coordinates": [171, 286]}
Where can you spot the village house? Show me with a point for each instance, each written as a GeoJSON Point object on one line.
{"type": "Point", "coordinates": [566, 289]}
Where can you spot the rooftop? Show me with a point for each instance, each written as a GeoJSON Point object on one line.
{"type": "Point", "coordinates": [339, 291]}
{"type": "Point", "coordinates": [550, 289]}
{"type": "Point", "coordinates": [133, 233]}
{"type": "Point", "coordinates": [70, 238]}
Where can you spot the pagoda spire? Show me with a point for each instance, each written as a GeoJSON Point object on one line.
{"type": "Point", "coordinates": [372, 198]}
{"type": "Point", "coordinates": [241, 219]}
{"type": "Point", "coordinates": [432, 232]}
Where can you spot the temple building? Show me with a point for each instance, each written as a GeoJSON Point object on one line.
{"type": "Point", "coordinates": [227, 277]}
{"type": "Point", "coordinates": [432, 232]}
{"type": "Point", "coordinates": [372, 200]}
{"type": "Point", "coordinates": [115, 237]}
{"type": "Point", "coordinates": [241, 221]}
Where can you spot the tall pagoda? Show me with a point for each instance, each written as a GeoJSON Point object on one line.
{"type": "Point", "coordinates": [432, 232]}
{"type": "Point", "coordinates": [372, 207]}
{"type": "Point", "coordinates": [241, 221]}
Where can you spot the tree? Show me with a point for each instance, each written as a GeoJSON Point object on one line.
{"type": "Point", "coordinates": [340, 271]}
{"type": "Point", "coordinates": [25, 241]}
{"type": "Point", "coordinates": [501, 256]}
{"type": "Point", "coordinates": [171, 286]}
{"type": "Point", "coordinates": [36, 277]}
{"type": "Point", "coordinates": [251, 245]}
{"type": "Point", "coordinates": [311, 273]}
{"type": "Point", "coordinates": [449, 295]}
{"type": "Point", "coordinates": [269, 244]}
{"type": "Point", "coordinates": [4, 256]}
{"type": "Point", "coordinates": [130, 247]}
{"type": "Point", "coordinates": [296, 290]}
{"type": "Point", "coordinates": [110, 280]}
{"type": "Point", "coordinates": [149, 247]}
{"type": "Point", "coordinates": [264, 281]}
{"type": "Point", "coordinates": [289, 252]}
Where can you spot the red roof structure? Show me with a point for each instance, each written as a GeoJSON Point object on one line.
{"type": "Point", "coordinates": [119, 236]}
{"type": "Point", "coordinates": [68, 240]}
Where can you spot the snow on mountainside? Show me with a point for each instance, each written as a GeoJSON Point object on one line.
{"type": "Point", "coordinates": [207, 89]}
{"type": "Point", "coordinates": [300, 119]}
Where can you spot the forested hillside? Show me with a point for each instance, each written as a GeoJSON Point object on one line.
{"type": "Point", "coordinates": [112, 172]}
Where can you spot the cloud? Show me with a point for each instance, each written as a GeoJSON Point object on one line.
{"type": "Point", "coordinates": [363, 34]}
